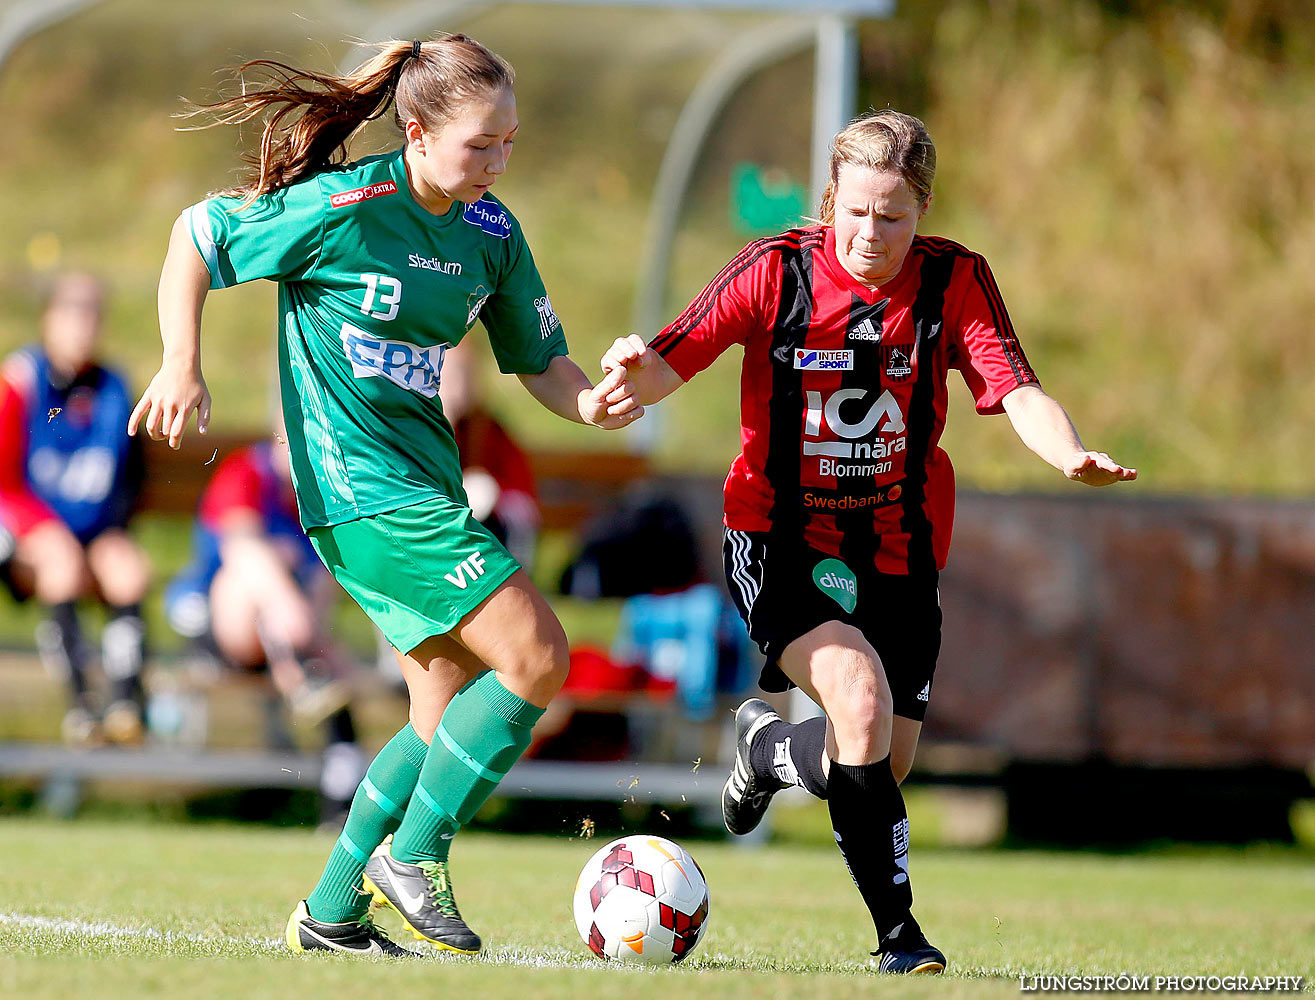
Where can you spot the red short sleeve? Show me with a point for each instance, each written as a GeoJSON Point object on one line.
{"type": "Point", "coordinates": [987, 351]}
{"type": "Point", "coordinates": [724, 313]}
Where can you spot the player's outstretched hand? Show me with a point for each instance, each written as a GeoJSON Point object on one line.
{"type": "Point", "coordinates": [629, 352]}
{"type": "Point", "coordinates": [167, 403]}
{"type": "Point", "coordinates": [1095, 468]}
{"type": "Point", "coordinates": [611, 403]}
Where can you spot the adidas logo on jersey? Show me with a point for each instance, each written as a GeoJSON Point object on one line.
{"type": "Point", "coordinates": [867, 330]}
{"type": "Point", "coordinates": [925, 693]}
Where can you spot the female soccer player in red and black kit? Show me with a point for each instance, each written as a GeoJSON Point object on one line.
{"type": "Point", "coordinates": [839, 508]}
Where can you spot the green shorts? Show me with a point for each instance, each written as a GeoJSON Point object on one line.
{"type": "Point", "coordinates": [416, 571]}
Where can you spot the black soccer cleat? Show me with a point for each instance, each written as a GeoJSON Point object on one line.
{"type": "Point", "coordinates": [355, 937]}
{"type": "Point", "coordinates": [422, 896]}
{"type": "Point", "coordinates": [745, 796]}
{"type": "Point", "coordinates": [906, 951]}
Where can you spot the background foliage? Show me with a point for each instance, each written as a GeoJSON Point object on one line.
{"type": "Point", "coordinates": [1139, 174]}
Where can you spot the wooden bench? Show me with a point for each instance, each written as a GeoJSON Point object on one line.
{"type": "Point", "coordinates": [573, 485]}
{"type": "Point", "coordinates": [533, 779]}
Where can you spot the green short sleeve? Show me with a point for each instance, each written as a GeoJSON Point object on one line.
{"type": "Point", "coordinates": [277, 236]}
{"type": "Point", "coordinates": [524, 332]}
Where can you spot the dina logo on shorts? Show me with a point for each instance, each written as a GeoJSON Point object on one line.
{"type": "Point", "coordinates": [470, 568]}
{"type": "Point", "coordinates": [835, 579]}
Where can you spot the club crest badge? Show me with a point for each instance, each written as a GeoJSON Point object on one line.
{"type": "Point", "coordinates": [895, 363]}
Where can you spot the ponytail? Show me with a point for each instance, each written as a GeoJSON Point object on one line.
{"type": "Point", "coordinates": [310, 118]}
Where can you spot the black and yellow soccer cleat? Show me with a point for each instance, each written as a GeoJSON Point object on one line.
{"type": "Point", "coordinates": [422, 896]}
{"type": "Point", "coordinates": [745, 796]}
{"type": "Point", "coordinates": [355, 937]}
{"type": "Point", "coordinates": [905, 951]}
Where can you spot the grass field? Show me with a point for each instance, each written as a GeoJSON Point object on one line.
{"type": "Point", "coordinates": [126, 909]}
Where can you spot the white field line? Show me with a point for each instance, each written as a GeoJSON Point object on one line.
{"type": "Point", "coordinates": [105, 931]}
{"type": "Point", "coordinates": [218, 944]}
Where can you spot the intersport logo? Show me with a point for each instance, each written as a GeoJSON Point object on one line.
{"type": "Point", "coordinates": [362, 194]}
{"type": "Point", "coordinates": [823, 361]}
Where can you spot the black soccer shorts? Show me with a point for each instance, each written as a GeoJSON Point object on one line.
{"type": "Point", "coordinates": [784, 589]}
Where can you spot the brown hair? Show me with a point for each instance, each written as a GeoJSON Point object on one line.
{"type": "Point", "coordinates": [882, 140]}
{"type": "Point", "coordinates": [425, 81]}
{"type": "Point", "coordinates": [76, 285]}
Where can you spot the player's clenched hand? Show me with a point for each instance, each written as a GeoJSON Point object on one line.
{"type": "Point", "coordinates": [167, 403]}
{"type": "Point", "coordinates": [628, 352]}
{"type": "Point", "coordinates": [1095, 468]}
{"type": "Point", "coordinates": [611, 403]}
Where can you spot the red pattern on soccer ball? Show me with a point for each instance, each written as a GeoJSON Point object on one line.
{"type": "Point", "coordinates": [686, 937]}
{"type": "Point", "coordinates": [618, 859]}
{"type": "Point", "coordinates": [596, 941]}
{"type": "Point", "coordinates": [666, 916]}
{"type": "Point", "coordinates": [619, 869]}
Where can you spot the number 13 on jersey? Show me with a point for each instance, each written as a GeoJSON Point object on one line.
{"type": "Point", "coordinates": [388, 290]}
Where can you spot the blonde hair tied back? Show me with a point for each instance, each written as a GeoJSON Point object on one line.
{"type": "Point", "coordinates": [882, 140]}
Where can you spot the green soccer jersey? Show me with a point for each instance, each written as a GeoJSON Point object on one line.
{"type": "Point", "coordinates": [372, 290]}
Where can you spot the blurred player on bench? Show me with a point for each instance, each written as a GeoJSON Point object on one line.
{"type": "Point", "coordinates": [495, 470]}
{"type": "Point", "coordinates": [256, 598]}
{"type": "Point", "coordinates": [69, 480]}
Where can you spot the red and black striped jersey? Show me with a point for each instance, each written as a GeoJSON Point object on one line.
{"type": "Point", "coordinates": [843, 389]}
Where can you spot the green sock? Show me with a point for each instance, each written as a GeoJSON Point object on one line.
{"type": "Point", "coordinates": [377, 809]}
{"type": "Point", "coordinates": [483, 732]}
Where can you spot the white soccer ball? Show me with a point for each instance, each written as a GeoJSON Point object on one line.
{"type": "Point", "coordinates": [643, 900]}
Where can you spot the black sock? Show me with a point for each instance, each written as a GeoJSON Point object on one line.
{"type": "Point", "coordinates": [340, 728]}
{"type": "Point", "coordinates": [792, 754]}
{"type": "Point", "coordinates": [123, 650]}
{"type": "Point", "coordinates": [872, 831]}
{"type": "Point", "coordinates": [59, 640]}
{"type": "Point", "coordinates": [277, 733]}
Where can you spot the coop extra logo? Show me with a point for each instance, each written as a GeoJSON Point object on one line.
{"type": "Point", "coordinates": [362, 194]}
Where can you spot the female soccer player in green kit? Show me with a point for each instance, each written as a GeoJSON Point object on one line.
{"type": "Point", "coordinates": [381, 265]}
